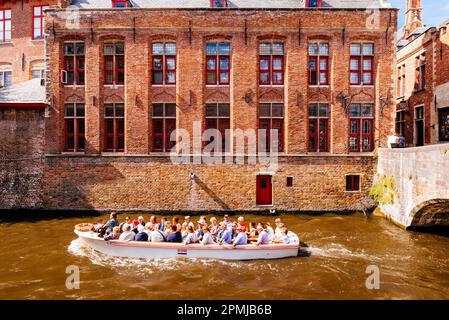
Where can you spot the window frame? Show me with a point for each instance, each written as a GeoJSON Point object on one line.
{"type": "Point", "coordinates": [270, 120]}
{"type": "Point", "coordinates": [41, 18]}
{"type": "Point", "coordinates": [355, 183]}
{"type": "Point", "coordinates": [77, 135]}
{"type": "Point", "coordinates": [77, 59]}
{"type": "Point", "coordinates": [115, 58]}
{"type": "Point", "coordinates": [317, 58]}
{"type": "Point", "coordinates": [218, 57]}
{"type": "Point", "coordinates": [271, 58]}
{"type": "Point", "coordinates": [167, 144]}
{"type": "Point", "coordinates": [4, 21]}
{"type": "Point", "coordinates": [115, 128]}
{"type": "Point", "coordinates": [165, 70]}
{"type": "Point", "coordinates": [3, 75]}
{"type": "Point", "coordinates": [317, 135]}
{"type": "Point", "coordinates": [421, 72]}
{"type": "Point", "coordinates": [361, 58]}
{"type": "Point", "coordinates": [218, 120]}
{"type": "Point", "coordinates": [361, 120]}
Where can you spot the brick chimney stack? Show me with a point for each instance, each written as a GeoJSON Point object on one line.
{"type": "Point", "coordinates": [413, 17]}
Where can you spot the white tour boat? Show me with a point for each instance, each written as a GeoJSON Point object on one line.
{"type": "Point", "coordinates": [157, 250]}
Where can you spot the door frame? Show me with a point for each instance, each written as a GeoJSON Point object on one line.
{"type": "Point", "coordinates": [268, 174]}
{"type": "Point", "coordinates": [440, 112]}
{"type": "Point", "coordinates": [415, 120]}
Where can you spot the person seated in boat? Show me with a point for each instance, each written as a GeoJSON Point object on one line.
{"type": "Point", "coordinates": [278, 231]}
{"type": "Point", "coordinates": [175, 235]}
{"type": "Point", "coordinates": [242, 223]}
{"type": "Point", "coordinates": [141, 235]}
{"type": "Point", "coordinates": [109, 226]}
{"type": "Point", "coordinates": [207, 236]}
{"type": "Point", "coordinates": [226, 236]}
{"type": "Point", "coordinates": [241, 237]}
{"type": "Point", "coordinates": [184, 232]}
{"type": "Point", "coordinates": [228, 222]}
{"type": "Point", "coordinates": [135, 226]}
{"type": "Point", "coordinates": [270, 231]}
{"type": "Point", "coordinates": [214, 227]}
{"type": "Point", "coordinates": [252, 230]}
{"type": "Point", "coordinates": [114, 235]}
{"type": "Point", "coordinates": [188, 222]}
{"type": "Point", "coordinates": [163, 224]}
{"type": "Point", "coordinates": [148, 228]}
{"type": "Point", "coordinates": [200, 232]}
{"type": "Point", "coordinates": [124, 224]}
{"type": "Point", "coordinates": [284, 238]}
{"type": "Point", "coordinates": [141, 221]}
{"type": "Point", "coordinates": [127, 234]}
{"type": "Point", "coordinates": [167, 228]}
{"type": "Point", "coordinates": [153, 220]}
{"type": "Point", "coordinates": [278, 234]}
{"type": "Point", "coordinates": [157, 235]}
{"type": "Point", "coordinates": [175, 222]}
{"type": "Point", "coordinates": [263, 235]}
{"type": "Point", "coordinates": [191, 236]}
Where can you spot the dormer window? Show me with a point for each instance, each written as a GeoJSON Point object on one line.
{"type": "Point", "coordinates": [119, 3]}
{"type": "Point", "coordinates": [313, 3]}
{"type": "Point", "coordinates": [218, 3]}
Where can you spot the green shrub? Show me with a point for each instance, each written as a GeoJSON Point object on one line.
{"type": "Point", "coordinates": [383, 191]}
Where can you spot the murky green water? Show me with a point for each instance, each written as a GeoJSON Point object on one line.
{"type": "Point", "coordinates": [34, 256]}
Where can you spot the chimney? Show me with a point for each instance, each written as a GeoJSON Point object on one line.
{"type": "Point", "coordinates": [413, 17]}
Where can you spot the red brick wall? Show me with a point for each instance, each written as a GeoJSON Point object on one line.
{"type": "Point", "coordinates": [22, 51]}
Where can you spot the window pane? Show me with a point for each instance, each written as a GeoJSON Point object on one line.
{"type": "Point", "coordinates": [354, 64]}
{"type": "Point", "coordinates": [211, 64]}
{"type": "Point", "coordinates": [264, 110]}
{"type": "Point", "coordinates": [69, 110]}
{"type": "Point", "coordinates": [158, 110]}
{"type": "Point", "coordinates": [355, 49]}
{"type": "Point", "coordinates": [324, 110]}
{"type": "Point", "coordinates": [323, 64]}
{"type": "Point", "coordinates": [278, 48]}
{"type": "Point", "coordinates": [157, 63]}
{"type": "Point", "coordinates": [324, 49]}
{"type": "Point", "coordinates": [69, 48]}
{"type": "Point", "coordinates": [211, 110]}
{"type": "Point", "coordinates": [355, 110]}
{"type": "Point", "coordinates": [171, 63]}
{"type": "Point", "coordinates": [224, 77]}
{"type": "Point", "coordinates": [313, 49]}
{"type": "Point", "coordinates": [171, 78]}
{"type": "Point", "coordinates": [108, 49]}
{"type": "Point", "coordinates": [120, 110]}
{"type": "Point", "coordinates": [7, 14]}
{"type": "Point", "coordinates": [367, 110]}
{"type": "Point", "coordinates": [367, 78]}
{"type": "Point", "coordinates": [277, 63]}
{"type": "Point", "coordinates": [224, 48]}
{"type": "Point", "coordinates": [170, 48]}
{"type": "Point", "coordinates": [80, 110]}
{"type": "Point", "coordinates": [211, 78]}
{"type": "Point", "coordinates": [354, 77]}
{"type": "Point", "coordinates": [264, 64]}
{"type": "Point", "coordinates": [170, 110]}
{"type": "Point", "coordinates": [79, 49]}
{"type": "Point", "coordinates": [224, 63]}
{"type": "Point", "coordinates": [368, 49]}
{"type": "Point", "coordinates": [108, 110]}
{"type": "Point", "coordinates": [277, 110]}
{"type": "Point", "coordinates": [119, 48]}
{"type": "Point", "coordinates": [264, 77]}
{"type": "Point", "coordinates": [323, 77]}
{"type": "Point", "coordinates": [158, 77]}
{"type": "Point", "coordinates": [223, 110]}
{"type": "Point", "coordinates": [265, 48]}
{"type": "Point", "coordinates": [277, 78]}
{"type": "Point", "coordinates": [211, 48]}
{"type": "Point", "coordinates": [158, 48]}
{"type": "Point", "coordinates": [81, 128]}
{"type": "Point", "coordinates": [367, 64]}
{"type": "Point", "coordinates": [313, 110]}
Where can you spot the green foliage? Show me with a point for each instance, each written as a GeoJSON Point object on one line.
{"type": "Point", "coordinates": [383, 191]}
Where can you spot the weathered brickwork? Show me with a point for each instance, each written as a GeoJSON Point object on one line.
{"type": "Point", "coordinates": [21, 158]}
{"type": "Point", "coordinates": [139, 183]}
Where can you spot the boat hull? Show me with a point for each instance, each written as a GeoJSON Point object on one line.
{"type": "Point", "coordinates": [164, 250]}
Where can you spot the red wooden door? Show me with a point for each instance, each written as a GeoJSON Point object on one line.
{"type": "Point", "coordinates": [264, 188]}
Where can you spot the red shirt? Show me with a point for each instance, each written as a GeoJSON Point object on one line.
{"type": "Point", "coordinates": [244, 226]}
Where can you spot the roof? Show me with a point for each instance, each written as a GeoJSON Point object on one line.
{"type": "Point", "coordinates": [242, 4]}
{"type": "Point", "coordinates": [27, 92]}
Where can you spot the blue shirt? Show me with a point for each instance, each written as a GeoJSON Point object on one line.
{"type": "Point", "coordinates": [141, 236]}
{"type": "Point", "coordinates": [174, 237]}
{"type": "Point", "coordinates": [227, 236]}
{"type": "Point", "coordinates": [241, 238]}
{"type": "Point", "coordinates": [110, 225]}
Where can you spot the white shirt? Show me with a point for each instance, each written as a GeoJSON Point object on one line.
{"type": "Point", "coordinates": [207, 239]}
{"type": "Point", "coordinates": [156, 236]}
{"type": "Point", "coordinates": [127, 236]}
{"type": "Point", "coordinates": [191, 238]}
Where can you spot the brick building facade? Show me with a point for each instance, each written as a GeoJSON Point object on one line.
{"type": "Point", "coordinates": [122, 79]}
{"type": "Point", "coordinates": [422, 81]}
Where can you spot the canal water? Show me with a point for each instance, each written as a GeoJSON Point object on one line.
{"type": "Point", "coordinates": [34, 255]}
